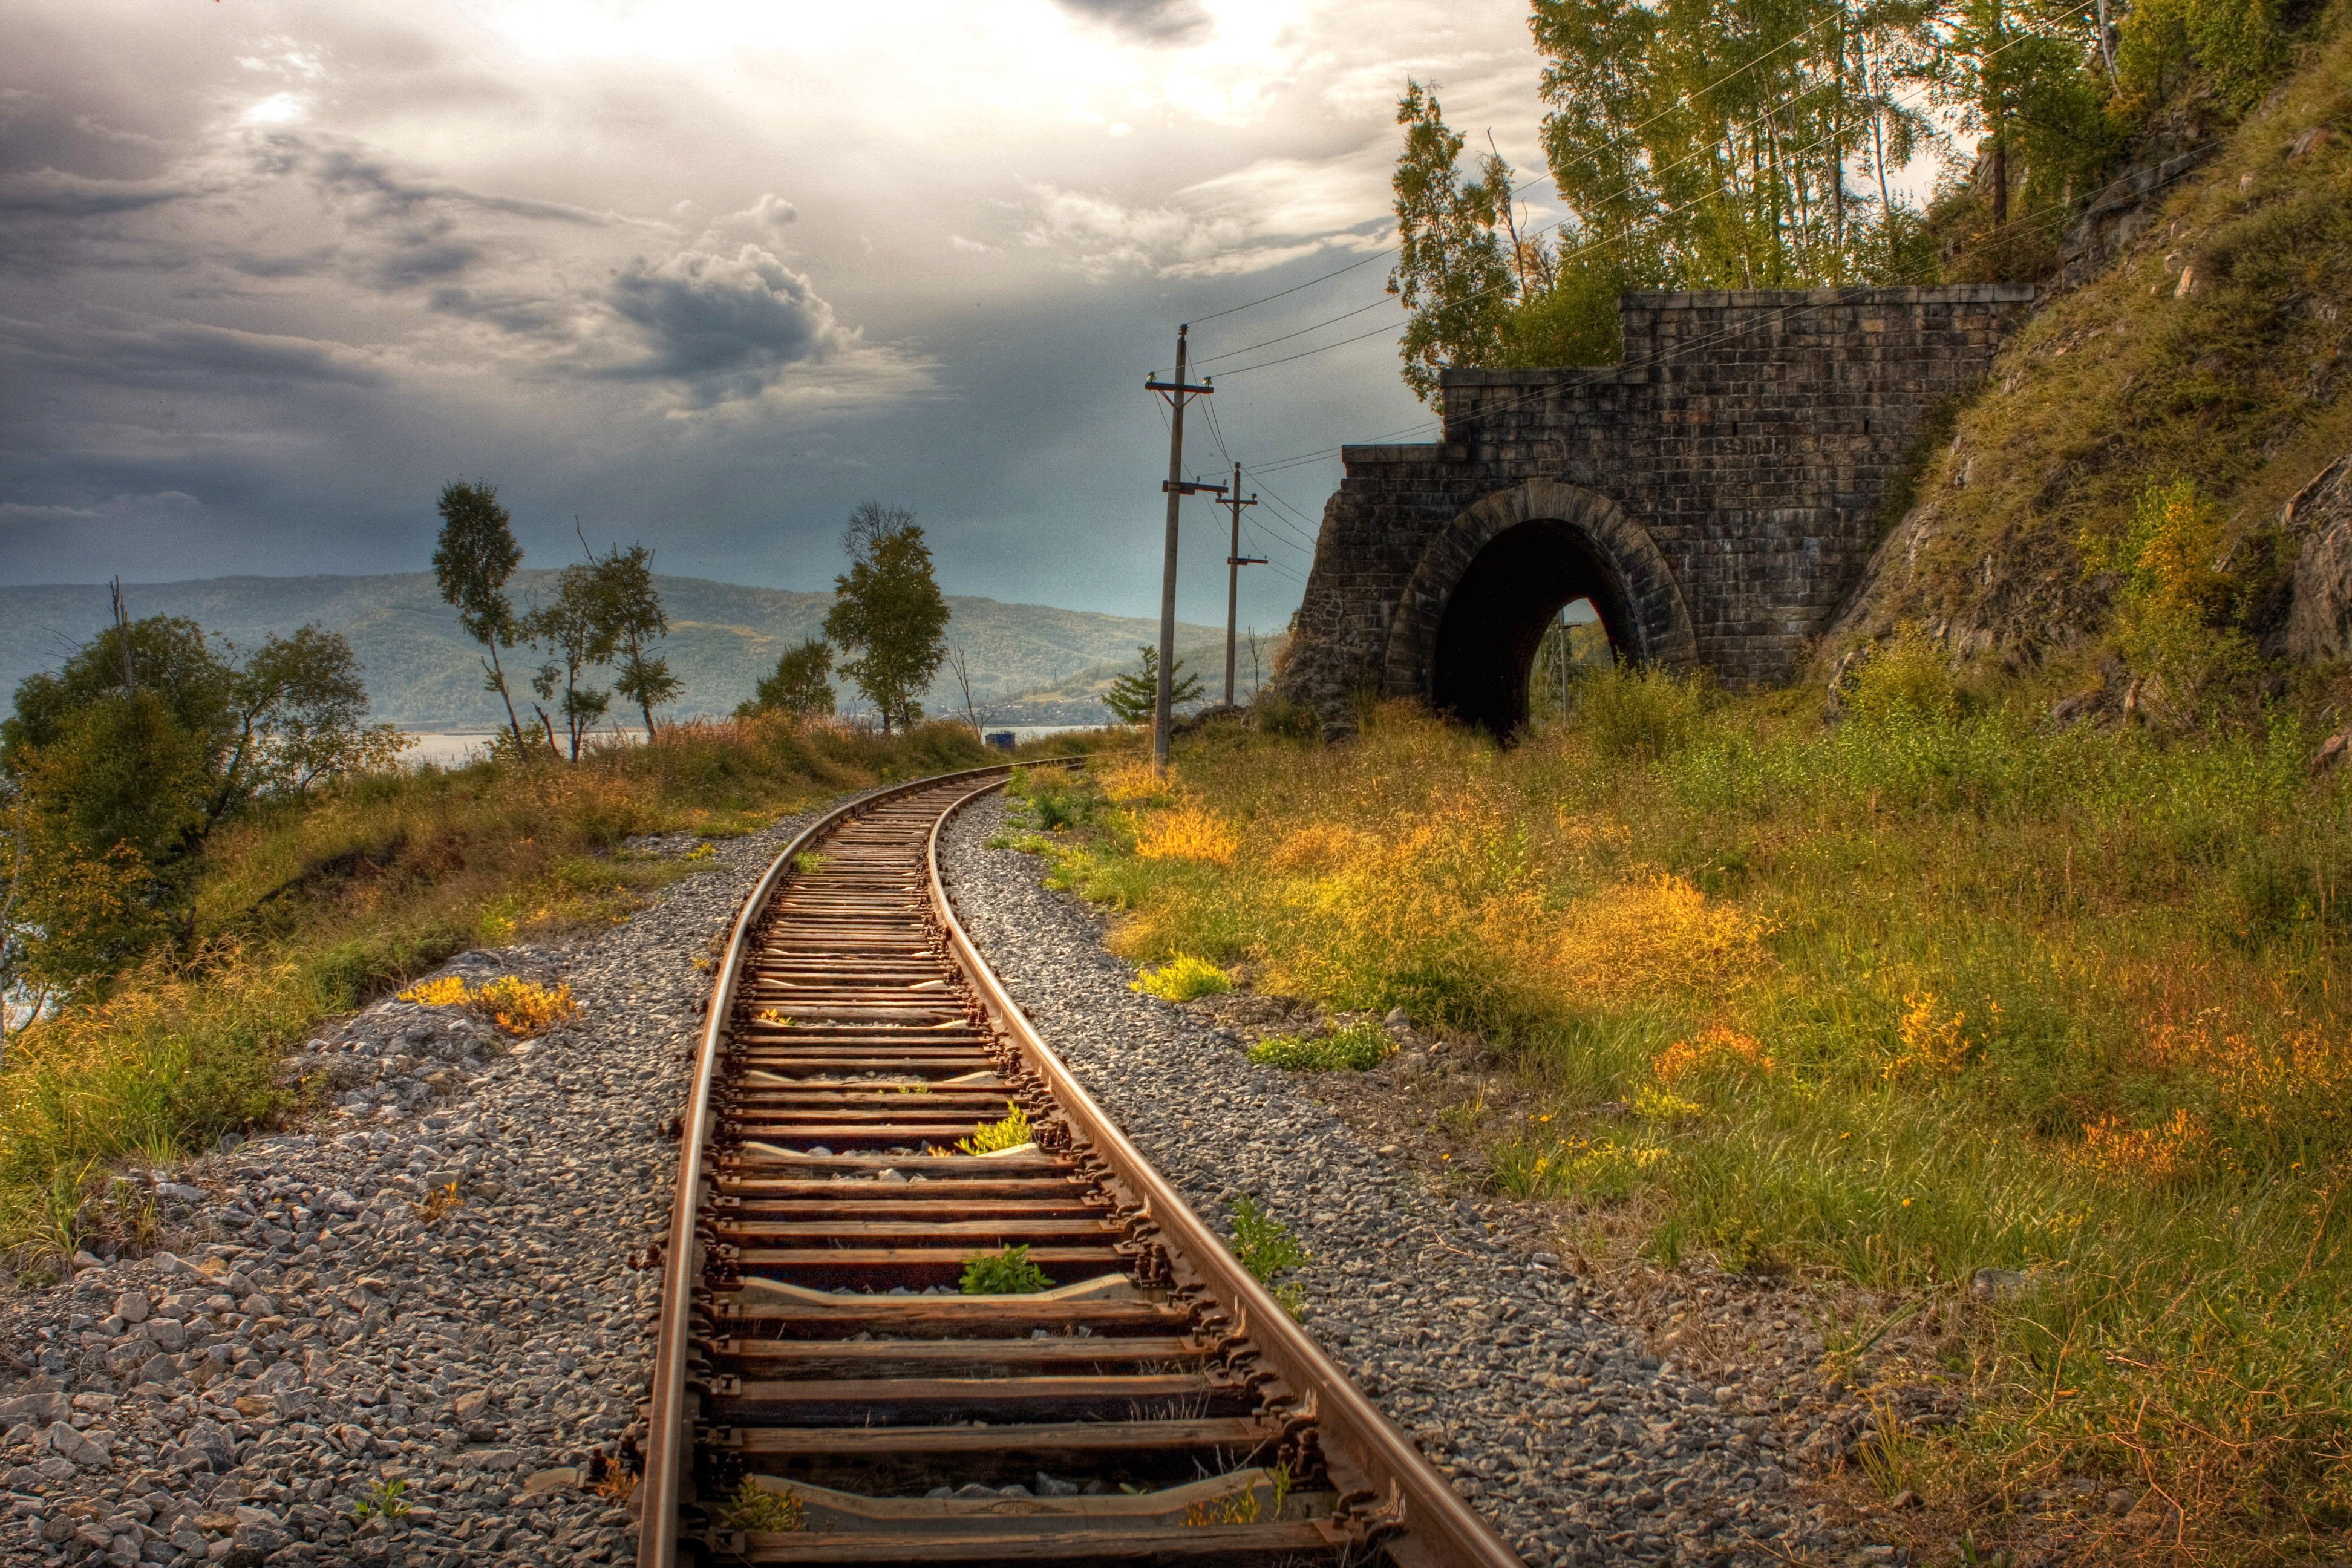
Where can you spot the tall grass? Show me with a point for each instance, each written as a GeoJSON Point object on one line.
{"type": "Point", "coordinates": [310, 908]}
{"type": "Point", "coordinates": [1932, 991]}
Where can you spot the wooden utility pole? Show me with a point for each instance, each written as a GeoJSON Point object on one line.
{"type": "Point", "coordinates": [1176, 489]}
{"type": "Point", "coordinates": [123, 635]}
{"type": "Point", "coordinates": [1233, 564]}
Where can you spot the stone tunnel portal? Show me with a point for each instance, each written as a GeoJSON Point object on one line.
{"type": "Point", "coordinates": [1511, 594]}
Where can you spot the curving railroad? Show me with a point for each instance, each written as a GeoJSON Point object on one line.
{"type": "Point", "coordinates": [824, 1391]}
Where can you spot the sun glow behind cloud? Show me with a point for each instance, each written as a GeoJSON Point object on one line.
{"type": "Point", "coordinates": [751, 254]}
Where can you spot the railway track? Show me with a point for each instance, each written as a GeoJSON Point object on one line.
{"type": "Point", "coordinates": [819, 1398]}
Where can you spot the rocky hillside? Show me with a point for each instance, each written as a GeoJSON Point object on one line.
{"type": "Point", "coordinates": [2197, 332]}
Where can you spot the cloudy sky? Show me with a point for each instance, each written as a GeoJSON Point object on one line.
{"type": "Point", "coordinates": [704, 273]}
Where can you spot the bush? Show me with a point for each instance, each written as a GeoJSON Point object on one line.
{"type": "Point", "coordinates": [1005, 1273]}
{"type": "Point", "coordinates": [996, 1137]}
{"type": "Point", "coordinates": [1183, 978]}
{"type": "Point", "coordinates": [1356, 1048]}
{"type": "Point", "coordinates": [1647, 712]}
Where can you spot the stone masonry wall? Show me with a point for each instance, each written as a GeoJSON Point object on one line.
{"type": "Point", "coordinates": [1746, 442]}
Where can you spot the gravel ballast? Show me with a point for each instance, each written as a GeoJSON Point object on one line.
{"type": "Point", "coordinates": [319, 1329]}
{"type": "Point", "coordinates": [1577, 1445]}
{"type": "Point", "coordinates": [315, 1332]}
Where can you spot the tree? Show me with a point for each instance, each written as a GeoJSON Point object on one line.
{"type": "Point", "coordinates": [1450, 270]}
{"type": "Point", "coordinates": [1133, 698]}
{"type": "Point", "coordinates": [2015, 70]}
{"type": "Point", "coordinates": [633, 618]}
{"type": "Point", "coordinates": [301, 713]}
{"type": "Point", "coordinates": [801, 684]}
{"type": "Point", "coordinates": [119, 766]}
{"type": "Point", "coordinates": [475, 558]}
{"type": "Point", "coordinates": [576, 626]}
{"type": "Point", "coordinates": [889, 608]}
{"type": "Point", "coordinates": [1711, 146]}
{"type": "Point", "coordinates": [111, 812]}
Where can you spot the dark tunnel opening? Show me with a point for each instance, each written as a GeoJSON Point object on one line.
{"type": "Point", "coordinates": [1498, 614]}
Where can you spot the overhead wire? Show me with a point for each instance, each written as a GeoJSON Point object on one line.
{"type": "Point", "coordinates": [1548, 229]}
{"type": "Point", "coordinates": [1682, 350]}
{"type": "Point", "coordinates": [1681, 101]}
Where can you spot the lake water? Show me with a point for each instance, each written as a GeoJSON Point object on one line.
{"type": "Point", "coordinates": [451, 749]}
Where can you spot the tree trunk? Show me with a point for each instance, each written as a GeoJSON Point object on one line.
{"type": "Point", "coordinates": [2000, 179]}
{"type": "Point", "coordinates": [499, 678]}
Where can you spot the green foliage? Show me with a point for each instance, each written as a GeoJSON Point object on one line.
{"type": "Point", "coordinates": [801, 683]}
{"type": "Point", "coordinates": [755, 1510]}
{"type": "Point", "coordinates": [2239, 45]}
{"type": "Point", "coordinates": [1710, 147]}
{"type": "Point", "coordinates": [1450, 270]}
{"type": "Point", "coordinates": [1356, 1048]}
{"type": "Point", "coordinates": [1907, 680]}
{"type": "Point", "coordinates": [1005, 1273]}
{"type": "Point", "coordinates": [1645, 712]}
{"type": "Point", "coordinates": [578, 628]}
{"type": "Point", "coordinates": [474, 559]}
{"type": "Point", "coordinates": [2019, 74]}
{"type": "Point", "coordinates": [2171, 612]}
{"type": "Point", "coordinates": [889, 608]}
{"type": "Point", "coordinates": [299, 909]}
{"type": "Point", "coordinates": [116, 787]}
{"type": "Point", "coordinates": [387, 1500]}
{"type": "Point", "coordinates": [2069, 1002]}
{"type": "Point", "coordinates": [1183, 978]}
{"type": "Point", "coordinates": [1264, 1246]}
{"type": "Point", "coordinates": [633, 616]}
{"type": "Point", "coordinates": [994, 1137]}
{"type": "Point", "coordinates": [1134, 697]}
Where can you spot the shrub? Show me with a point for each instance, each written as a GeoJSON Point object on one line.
{"type": "Point", "coordinates": [1647, 712]}
{"type": "Point", "coordinates": [1188, 832]}
{"type": "Point", "coordinates": [520, 1007]}
{"type": "Point", "coordinates": [994, 1137]}
{"type": "Point", "coordinates": [1183, 978]}
{"type": "Point", "coordinates": [1005, 1273]}
{"type": "Point", "coordinates": [755, 1510]}
{"type": "Point", "coordinates": [1355, 1048]}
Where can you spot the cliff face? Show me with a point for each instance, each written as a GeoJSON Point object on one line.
{"type": "Point", "coordinates": [2209, 347]}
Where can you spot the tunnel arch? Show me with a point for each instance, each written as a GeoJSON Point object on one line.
{"type": "Point", "coordinates": [1466, 629]}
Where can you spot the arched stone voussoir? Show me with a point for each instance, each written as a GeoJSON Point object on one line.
{"type": "Point", "coordinates": [1660, 621]}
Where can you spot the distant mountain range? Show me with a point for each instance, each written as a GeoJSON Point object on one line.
{"type": "Point", "coordinates": [423, 673]}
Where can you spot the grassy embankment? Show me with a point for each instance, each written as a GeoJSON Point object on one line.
{"type": "Point", "coordinates": [307, 911]}
{"type": "Point", "coordinates": [1933, 991]}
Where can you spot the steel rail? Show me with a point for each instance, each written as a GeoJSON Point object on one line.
{"type": "Point", "coordinates": [869, 943]}
{"type": "Point", "coordinates": [669, 1446]}
{"type": "Point", "coordinates": [1376, 1463]}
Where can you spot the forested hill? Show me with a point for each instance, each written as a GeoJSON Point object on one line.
{"type": "Point", "coordinates": [423, 673]}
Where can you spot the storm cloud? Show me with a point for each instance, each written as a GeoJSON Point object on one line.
{"type": "Point", "coordinates": [705, 274]}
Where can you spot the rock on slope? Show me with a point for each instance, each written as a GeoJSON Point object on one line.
{"type": "Point", "coordinates": [2210, 348]}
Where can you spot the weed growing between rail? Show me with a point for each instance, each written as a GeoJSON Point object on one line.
{"type": "Point", "coordinates": [311, 910]}
{"type": "Point", "coordinates": [1006, 1273]}
{"type": "Point", "coordinates": [1013, 1131]}
{"type": "Point", "coordinates": [1933, 991]}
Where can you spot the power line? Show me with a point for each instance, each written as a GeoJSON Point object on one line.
{"type": "Point", "coordinates": [1682, 101]}
{"type": "Point", "coordinates": [1684, 349]}
{"type": "Point", "coordinates": [1549, 228]}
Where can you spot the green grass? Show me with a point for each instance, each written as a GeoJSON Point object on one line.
{"type": "Point", "coordinates": [2123, 382]}
{"type": "Point", "coordinates": [1935, 990]}
{"type": "Point", "coordinates": [1355, 1048]}
{"type": "Point", "coordinates": [1264, 1246]}
{"type": "Point", "coordinates": [1005, 1273]}
{"type": "Point", "coordinates": [1183, 978]}
{"type": "Point", "coordinates": [306, 911]}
